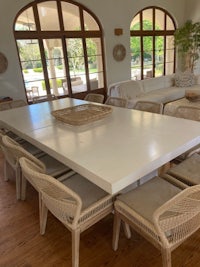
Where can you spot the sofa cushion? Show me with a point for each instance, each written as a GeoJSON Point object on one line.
{"type": "Point", "coordinates": [153, 83]}
{"type": "Point", "coordinates": [169, 80]}
{"type": "Point", "coordinates": [164, 96]}
{"type": "Point", "coordinates": [184, 79]}
{"type": "Point", "coordinates": [129, 89]}
{"type": "Point", "coordinates": [159, 89]}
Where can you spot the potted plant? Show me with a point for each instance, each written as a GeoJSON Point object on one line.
{"type": "Point", "coordinates": [187, 40]}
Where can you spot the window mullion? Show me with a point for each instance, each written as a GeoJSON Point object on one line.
{"type": "Point", "coordinates": [44, 64]}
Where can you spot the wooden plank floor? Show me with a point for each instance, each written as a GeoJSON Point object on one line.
{"type": "Point", "coordinates": [21, 245]}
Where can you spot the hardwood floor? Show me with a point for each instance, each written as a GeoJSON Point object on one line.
{"type": "Point", "coordinates": [21, 245]}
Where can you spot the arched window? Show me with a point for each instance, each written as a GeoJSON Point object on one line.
{"type": "Point", "coordinates": [152, 44]}
{"type": "Point", "coordinates": [60, 48]}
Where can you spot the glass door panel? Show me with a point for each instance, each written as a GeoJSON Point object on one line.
{"type": "Point", "coordinates": [32, 69]}
{"type": "Point", "coordinates": [147, 23]}
{"type": "Point", "coordinates": [135, 58]}
{"type": "Point", "coordinates": [170, 53]}
{"type": "Point", "coordinates": [159, 56]}
{"type": "Point", "coordinates": [95, 64]}
{"type": "Point", "coordinates": [135, 24]}
{"type": "Point", "coordinates": [55, 65]}
{"type": "Point", "coordinates": [89, 23]}
{"type": "Point", "coordinates": [71, 17]}
{"type": "Point", "coordinates": [148, 57]}
{"type": "Point", "coordinates": [159, 20]}
{"type": "Point", "coordinates": [26, 21]}
{"type": "Point", "coordinates": [170, 24]}
{"type": "Point", "coordinates": [48, 15]}
{"type": "Point", "coordinates": [76, 64]}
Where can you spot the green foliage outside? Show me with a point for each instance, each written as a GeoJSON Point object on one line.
{"type": "Point", "coordinates": [38, 70]}
{"type": "Point", "coordinates": [31, 58]}
{"type": "Point", "coordinates": [29, 55]}
{"type": "Point", "coordinates": [58, 81]}
{"type": "Point", "coordinates": [147, 43]}
{"type": "Point", "coordinates": [75, 53]}
{"type": "Point", "coordinates": [135, 44]}
{"type": "Point", "coordinates": [60, 67]}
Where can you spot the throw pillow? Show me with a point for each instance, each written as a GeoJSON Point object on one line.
{"type": "Point", "coordinates": [192, 94]}
{"type": "Point", "coordinates": [184, 79]}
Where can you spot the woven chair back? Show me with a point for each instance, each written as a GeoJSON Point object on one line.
{"type": "Point", "coordinates": [58, 198]}
{"type": "Point", "coordinates": [149, 106]}
{"type": "Point", "coordinates": [15, 151]}
{"type": "Point", "coordinates": [178, 218]}
{"type": "Point", "coordinates": [188, 112]}
{"type": "Point", "coordinates": [116, 101]}
{"type": "Point", "coordinates": [98, 98]}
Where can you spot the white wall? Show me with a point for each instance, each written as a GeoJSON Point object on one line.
{"type": "Point", "coordinates": [111, 13]}
{"type": "Point", "coordinates": [193, 8]}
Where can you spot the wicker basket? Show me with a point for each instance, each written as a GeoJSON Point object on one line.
{"type": "Point", "coordinates": [82, 114]}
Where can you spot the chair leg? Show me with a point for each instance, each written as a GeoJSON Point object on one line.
{"type": "Point", "coordinates": [166, 258]}
{"type": "Point", "coordinates": [138, 182]}
{"type": "Point", "coordinates": [75, 247]}
{"type": "Point", "coordinates": [6, 169]}
{"type": "Point", "coordinates": [127, 230]}
{"type": "Point", "coordinates": [23, 188]}
{"type": "Point", "coordinates": [43, 211]}
{"type": "Point", "coordinates": [163, 169]}
{"type": "Point", "coordinates": [116, 231]}
{"type": "Point", "coordinates": [18, 182]}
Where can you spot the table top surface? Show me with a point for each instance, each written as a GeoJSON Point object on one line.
{"type": "Point", "coordinates": [113, 152]}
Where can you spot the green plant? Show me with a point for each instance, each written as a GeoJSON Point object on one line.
{"type": "Point", "coordinates": [58, 81]}
{"type": "Point", "coordinates": [38, 70]}
{"type": "Point", "coordinates": [187, 40]}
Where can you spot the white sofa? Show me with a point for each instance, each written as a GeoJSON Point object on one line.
{"type": "Point", "coordinates": [159, 89]}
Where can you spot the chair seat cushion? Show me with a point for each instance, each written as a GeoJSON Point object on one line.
{"type": "Point", "coordinates": [53, 166]}
{"type": "Point", "coordinates": [88, 192]}
{"type": "Point", "coordinates": [146, 198]}
{"type": "Point", "coordinates": [188, 170]}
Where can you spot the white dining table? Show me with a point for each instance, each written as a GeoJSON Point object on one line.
{"type": "Point", "coordinates": [113, 152]}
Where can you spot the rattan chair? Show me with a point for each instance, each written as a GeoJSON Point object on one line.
{"type": "Point", "coordinates": [98, 98]}
{"type": "Point", "coordinates": [13, 151]}
{"type": "Point", "coordinates": [163, 214]}
{"type": "Point", "coordinates": [34, 91]}
{"type": "Point", "coordinates": [40, 99]}
{"type": "Point", "coordinates": [186, 173]}
{"type": "Point", "coordinates": [5, 106]}
{"type": "Point", "coordinates": [76, 202]}
{"type": "Point", "coordinates": [190, 113]}
{"type": "Point", "coordinates": [149, 106]}
{"type": "Point", "coordinates": [116, 101]}
{"type": "Point", "coordinates": [26, 145]}
{"type": "Point", "coordinates": [12, 104]}
{"type": "Point", "coordinates": [18, 103]}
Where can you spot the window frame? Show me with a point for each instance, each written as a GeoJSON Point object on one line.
{"type": "Point", "coordinates": [153, 33]}
{"type": "Point", "coordinates": [63, 34]}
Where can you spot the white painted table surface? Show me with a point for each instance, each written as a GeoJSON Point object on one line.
{"type": "Point", "coordinates": [112, 153]}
